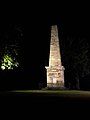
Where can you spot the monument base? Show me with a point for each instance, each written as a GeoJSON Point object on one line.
{"type": "Point", "coordinates": [55, 86]}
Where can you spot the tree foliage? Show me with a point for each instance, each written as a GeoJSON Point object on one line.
{"type": "Point", "coordinates": [75, 55]}
{"type": "Point", "coordinates": [8, 62]}
{"type": "Point", "coordinates": [12, 44]}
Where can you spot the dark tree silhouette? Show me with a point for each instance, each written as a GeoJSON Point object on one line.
{"type": "Point", "coordinates": [12, 40]}
{"type": "Point", "coordinates": [75, 55]}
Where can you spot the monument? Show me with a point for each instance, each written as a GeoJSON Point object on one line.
{"type": "Point", "coordinates": [55, 70]}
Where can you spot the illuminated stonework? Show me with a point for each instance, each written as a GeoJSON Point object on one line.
{"type": "Point", "coordinates": [55, 70]}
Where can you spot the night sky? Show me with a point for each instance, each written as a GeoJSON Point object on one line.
{"type": "Point", "coordinates": [29, 30]}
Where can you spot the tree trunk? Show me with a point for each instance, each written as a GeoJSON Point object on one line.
{"type": "Point", "coordinates": [77, 83]}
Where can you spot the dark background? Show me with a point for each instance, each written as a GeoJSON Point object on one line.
{"type": "Point", "coordinates": [29, 28]}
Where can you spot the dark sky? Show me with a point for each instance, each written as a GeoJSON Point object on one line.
{"type": "Point", "coordinates": [35, 24]}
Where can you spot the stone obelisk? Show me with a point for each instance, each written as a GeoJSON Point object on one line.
{"type": "Point", "coordinates": [55, 70]}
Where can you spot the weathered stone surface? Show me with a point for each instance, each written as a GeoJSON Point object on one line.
{"type": "Point", "coordinates": [55, 71]}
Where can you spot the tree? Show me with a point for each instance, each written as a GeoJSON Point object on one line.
{"type": "Point", "coordinates": [8, 62]}
{"type": "Point", "coordinates": [11, 44]}
{"type": "Point", "coordinates": [76, 60]}
{"type": "Point", "coordinates": [9, 57]}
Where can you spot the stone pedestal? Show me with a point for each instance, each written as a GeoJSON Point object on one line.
{"type": "Point", "coordinates": [55, 76]}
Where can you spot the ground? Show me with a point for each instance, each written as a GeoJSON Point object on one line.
{"type": "Point", "coordinates": [57, 93]}
{"type": "Point", "coordinates": [63, 94]}
{"type": "Point", "coordinates": [47, 100]}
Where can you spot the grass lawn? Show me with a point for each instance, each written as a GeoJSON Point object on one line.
{"type": "Point", "coordinates": [63, 99]}
{"type": "Point", "coordinates": [58, 93]}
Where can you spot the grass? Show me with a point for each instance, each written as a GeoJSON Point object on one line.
{"type": "Point", "coordinates": [62, 93]}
